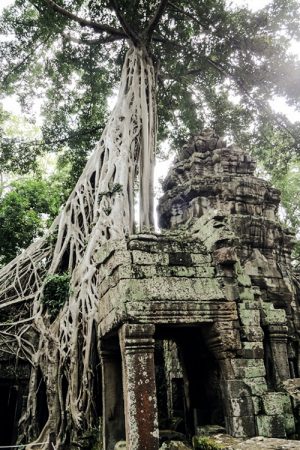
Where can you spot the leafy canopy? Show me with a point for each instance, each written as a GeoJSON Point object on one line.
{"type": "Point", "coordinates": [216, 66]}
{"type": "Point", "coordinates": [25, 210]}
{"type": "Point", "coordinates": [207, 54]}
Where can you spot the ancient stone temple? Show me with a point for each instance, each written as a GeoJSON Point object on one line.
{"type": "Point", "coordinates": [206, 314]}
{"type": "Point", "coordinates": [200, 322]}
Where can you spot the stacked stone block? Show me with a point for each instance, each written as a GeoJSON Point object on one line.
{"type": "Point", "coordinates": [160, 279]}
{"type": "Point", "coordinates": [210, 178]}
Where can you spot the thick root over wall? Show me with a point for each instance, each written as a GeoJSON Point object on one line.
{"type": "Point", "coordinates": [63, 350]}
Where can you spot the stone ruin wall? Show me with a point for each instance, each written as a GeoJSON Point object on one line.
{"type": "Point", "coordinates": [210, 179]}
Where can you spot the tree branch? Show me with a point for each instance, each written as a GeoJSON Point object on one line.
{"type": "Point", "coordinates": [125, 25]}
{"type": "Point", "coordinates": [74, 135]}
{"type": "Point", "coordinates": [98, 27]}
{"type": "Point", "coordinates": [155, 19]}
{"type": "Point", "coordinates": [70, 137]}
{"type": "Point", "coordinates": [115, 34]}
{"type": "Point", "coordinates": [103, 40]}
{"type": "Point", "coordinates": [25, 60]}
{"type": "Point", "coordinates": [187, 14]}
{"type": "Point", "coordinates": [241, 85]}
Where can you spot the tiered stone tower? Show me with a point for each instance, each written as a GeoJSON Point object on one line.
{"type": "Point", "coordinates": [212, 190]}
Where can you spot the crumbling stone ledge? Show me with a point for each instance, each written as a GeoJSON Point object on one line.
{"type": "Point", "coordinates": [226, 442]}
{"type": "Point", "coordinates": [262, 443]}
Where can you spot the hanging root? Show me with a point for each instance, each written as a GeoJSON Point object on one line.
{"type": "Point", "coordinates": [100, 208]}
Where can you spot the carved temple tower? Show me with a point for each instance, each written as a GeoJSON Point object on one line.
{"type": "Point", "coordinates": [216, 289]}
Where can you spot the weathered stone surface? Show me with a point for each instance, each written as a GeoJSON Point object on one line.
{"type": "Point", "coordinates": [241, 406]}
{"type": "Point", "coordinates": [252, 350]}
{"type": "Point", "coordinates": [213, 190]}
{"type": "Point", "coordinates": [208, 430]}
{"type": "Point", "coordinates": [226, 442]}
{"type": "Point", "coordinates": [248, 368]}
{"type": "Point", "coordinates": [220, 267]}
{"type": "Point", "coordinates": [240, 426]}
{"type": "Point", "coordinates": [256, 385]}
{"type": "Point", "coordinates": [276, 403]}
{"type": "Point", "coordinates": [137, 348]}
{"type": "Point", "coordinates": [175, 445]}
{"type": "Point", "coordinates": [170, 435]}
{"type": "Point", "coordinates": [292, 387]}
{"type": "Point", "coordinates": [271, 425]}
{"type": "Point", "coordinates": [262, 443]}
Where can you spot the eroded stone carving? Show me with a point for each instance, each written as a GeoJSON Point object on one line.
{"type": "Point", "coordinates": [213, 191]}
{"type": "Point", "coordinates": [222, 274]}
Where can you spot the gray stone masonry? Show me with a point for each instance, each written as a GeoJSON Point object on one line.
{"type": "Point", "coordinates": [222, 265]}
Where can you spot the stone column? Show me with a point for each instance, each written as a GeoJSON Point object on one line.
{"type": "Point", "coordinates": [278, 335]}
{"type": "Point", "coordinates": [137, 348]}
{"type": "Point", "coordinates": [112, 394]}
{"type": "Point", "coordinates": [224, 342]}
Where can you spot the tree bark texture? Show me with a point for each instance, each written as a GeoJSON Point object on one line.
{"type": "Point", "coordinates": [100, 208]}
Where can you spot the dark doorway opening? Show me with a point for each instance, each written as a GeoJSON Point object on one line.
{"type": "Point", "coordinates": [42, 406]}
{"type": "Point", "coordinates": [97, 379]}
{"type": "Point", "coordinates": [202, 380]}
{"type": "Point", "coordinates": [8, 412]}
{"type": "Point", "coordinates": [112, 393]}
{"type": "Point", "coordinates": [178, 397]}
{"type": "Point", "coordinates": [192, 380]}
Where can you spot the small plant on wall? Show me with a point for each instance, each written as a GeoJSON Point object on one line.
{"type": "Point", "coordinates": [56, 292]}
{"type": "Point", "coordinates": [206, 443]}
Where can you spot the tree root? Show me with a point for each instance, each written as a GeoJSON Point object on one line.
{"type": "Point", "coordinates": [100, 208]}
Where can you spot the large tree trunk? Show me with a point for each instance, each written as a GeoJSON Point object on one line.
{"type": "Point", "coordinates": [100, 208]}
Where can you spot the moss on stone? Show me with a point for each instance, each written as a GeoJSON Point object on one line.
{"type": "Point", "coordinates": [206, 443]}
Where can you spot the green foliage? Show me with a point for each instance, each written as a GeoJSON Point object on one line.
{"type": "Point", "coordinates": [56, 292]}
{"type": "Point", "coordinates": [206, 443]}
{"type": "Point", "coordinates": [296, 254]}
{"type": "Point", "coordinates": [218, 66]}
{"type": "Point", "coordinates": [289, 184]}
{"type": "Point", "coordinates": [18, 139]}
{"type": "Point", "coordinates": [26, 208]}
{"type": "Point", "coordinates": [208, 54]}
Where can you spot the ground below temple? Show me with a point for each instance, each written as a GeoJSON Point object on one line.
{"type": "Point", "coordinates": [226, 442]}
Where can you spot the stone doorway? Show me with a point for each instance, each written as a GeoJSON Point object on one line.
{"type": "Point", "coordinates": [112, 393]}
{"type": "Point", "coordinates": [192, 380]}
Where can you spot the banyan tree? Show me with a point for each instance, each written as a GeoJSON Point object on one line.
{"type": "Point", "coordinates": [60, 341]}
{"type": "Point", "coordinates": [100, 208]}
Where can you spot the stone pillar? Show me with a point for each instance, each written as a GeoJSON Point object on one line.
{"type": "Point", "coordinates": [137, 348]}
{"type": "Point", "coordinates": [224, 341]}
{"type": "Point", "coordinates": [112, 394]}
{"type": "Point", "coordinates": [278, 335]}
